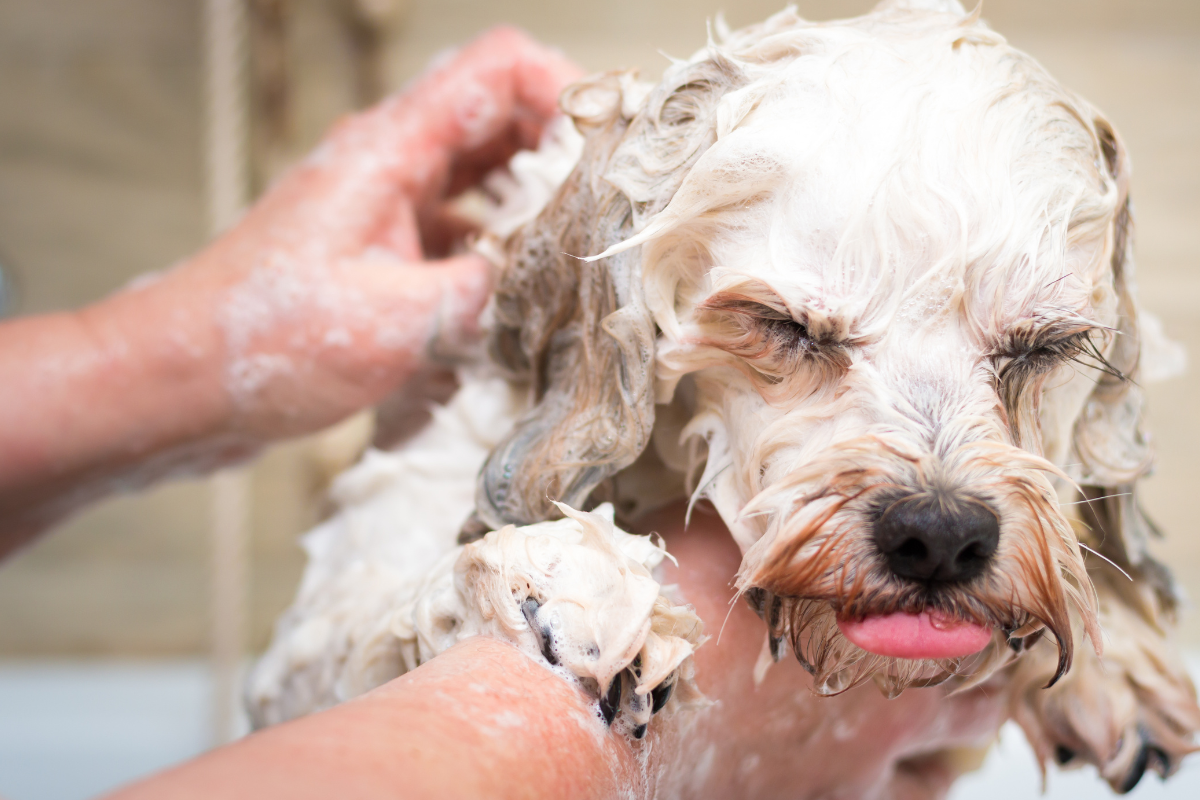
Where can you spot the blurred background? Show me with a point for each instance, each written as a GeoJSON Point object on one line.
{"type": "Point", "coordinates": [106, 628]}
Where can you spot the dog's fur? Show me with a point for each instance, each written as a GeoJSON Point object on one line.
{"type": "Point", "coordinates": [819, 267]}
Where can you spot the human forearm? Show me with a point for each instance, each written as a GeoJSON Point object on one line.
{"type": "Point", "coordinates": [484, 720]}
{"type": "Point", "coordinates": [106, 397]}
{"type": "Point", "coordinates": [481, 720]}
{"type": "Point", "coordinates": [321, 301]}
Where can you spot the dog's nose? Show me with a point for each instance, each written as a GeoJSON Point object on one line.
{"type": "Point", "coordinates": [932, 538]}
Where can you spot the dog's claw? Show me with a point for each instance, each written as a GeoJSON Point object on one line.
{"type": "Point", "coordinates": [756, 598]}
{"type": "Point", "coordinates": [1136, 771]}
{"type": "Point", "coordinates": [659, 696]}
{"type": "Point", "coordinates": [769, 607]}
{"type": "Point", "coordinates": [610, 701]}
{"type": "Point", "coordinates": [1150, 758]}
{"type": "Point", "coordinates": [529, 611]}
{"type": "Point", "coordinates": [776, 645]}
{"type": "Point", "coordinates": [639, 707]}
{"type": "Point", "coordinates": [774, 609]}
{"type": "Point", "coordinates": [1158, 761]}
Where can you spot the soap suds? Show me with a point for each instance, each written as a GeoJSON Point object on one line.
{"type": "Point", "coordinates": [387, 588]}
{"type": "Point", "coordinates": [576, 592]}
{"type": "Point", "coordinates": [397, 518]}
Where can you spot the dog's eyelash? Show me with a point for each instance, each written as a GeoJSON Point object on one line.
{"type": "Point", "coordinates": [1080, 347]}
{"type": "Point", "coordinates": [787, 333]}
{"type": "Point", "coordinates": [772, 336]}
{"type": "Point", "coordinates": [1022, 368]}
{"type": "Point", "coordinates": [771, 341]}
{"type": "Point", "coordinates": [1088, 355]}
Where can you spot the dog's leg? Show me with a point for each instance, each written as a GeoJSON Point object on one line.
{"type": "Point", "coordinates": [396, 519]}
{"type": "Point", "coordinates": [1130, 711]}
{"type": "Point", "coordinates": [578, 595]}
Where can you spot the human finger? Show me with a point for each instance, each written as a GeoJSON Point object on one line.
{"type": "Point", "coordinates": [502, 76]}
{"type": "Point", "coordinates": [443, 298]}
{"type": "Point", "coordinates": [474, 109]}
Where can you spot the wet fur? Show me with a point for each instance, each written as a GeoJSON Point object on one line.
{"type": "Point", "coordinates": [957, 324]}
{"type": "Point", "coordinates": [613, 304]}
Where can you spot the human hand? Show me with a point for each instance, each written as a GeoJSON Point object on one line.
{"type": "Point", "coordinates": [322, 298]}
{"type": "Point", "coordinates": [319, 302]}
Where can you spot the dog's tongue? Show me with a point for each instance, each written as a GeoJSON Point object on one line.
{"type": "Point", "coordinates": [924, 635]}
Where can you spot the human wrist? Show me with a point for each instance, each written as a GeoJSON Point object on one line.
{"type": "Point", "coordinates": [158, 340]}
{"type": "Point", "coordinates": [107, 398]}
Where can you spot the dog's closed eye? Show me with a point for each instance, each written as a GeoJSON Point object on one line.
{"type": "Point", "coordinates": [1027, 357]}
{"type": "Point", "coordinates": [1026, 354]}
{"type": "Point", "coordinates": [767, 337]}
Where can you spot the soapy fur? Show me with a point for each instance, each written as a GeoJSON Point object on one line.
{"type": "Point", "coordinates": [378, 601]}
{"type": "Point", "coordinates": [820, 263]}
{"type": "Point", "coordinates": [758, 242]}
{"type": "Point", "coordinates": [393, 533]}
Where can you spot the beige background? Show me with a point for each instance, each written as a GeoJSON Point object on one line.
{"type": "Point", "coordinates": [101, 179]}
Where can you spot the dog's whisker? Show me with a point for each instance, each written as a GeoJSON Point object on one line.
{"type": "Point", "coordinates": [729, 611]}
{"type": "Point", "coordinates": [1089, 500]}
{"type": "Point", "coordinates": [1106, 558]}
{"type": "Point", "coordinates": [698, 495]}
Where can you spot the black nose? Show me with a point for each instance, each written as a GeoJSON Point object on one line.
{"type": "Point", "coordinates": [934, 537]}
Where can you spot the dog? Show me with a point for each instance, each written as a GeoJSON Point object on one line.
{"type": "Point", "coordinates": [867, 288]}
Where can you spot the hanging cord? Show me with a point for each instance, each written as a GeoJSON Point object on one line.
{"type": "Point", "coordinates": [227, 157]}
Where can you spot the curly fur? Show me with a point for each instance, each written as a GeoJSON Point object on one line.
{"type": "Point", "coordinates": [818, 268]}
{"type": "Point", "coordinates": [878, 255]}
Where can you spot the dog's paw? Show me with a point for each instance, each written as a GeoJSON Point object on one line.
{"type": "Point", "coordinates": [646, 684]}
{"type": "Point", "coordinates": [1129, 712]}
{"type": "Point", "coordinates": [579, 594]}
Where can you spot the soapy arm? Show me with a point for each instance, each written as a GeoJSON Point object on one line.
{"type": "Point", "coordinates": [481, 720]}
{"type": "Point", "coordinates": [485, 720]}
{"type": "Point", "coordinates": [331, 292]}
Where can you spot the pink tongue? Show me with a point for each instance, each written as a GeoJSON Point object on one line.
{"type": "Point", "coordinates": [924, 635]}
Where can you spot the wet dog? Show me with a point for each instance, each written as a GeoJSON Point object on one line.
{"type": "Point", "coordinates": [866, 288]}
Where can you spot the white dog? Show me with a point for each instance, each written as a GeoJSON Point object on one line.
{"type": "Point", "coordinates": [865, 286]}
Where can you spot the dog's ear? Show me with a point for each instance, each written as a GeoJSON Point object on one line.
{"type": "Point", "coordinates": [1109, 440]}
{"type": "Point", "coordinates": [578, 332]}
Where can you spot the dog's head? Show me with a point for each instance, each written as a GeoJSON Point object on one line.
{"type": "Point", "coordinates": [884, 266]}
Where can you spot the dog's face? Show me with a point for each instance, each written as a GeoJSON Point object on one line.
{"type": "Point", "coordinates": [887, 259]}
{"type": "Point", "coordinates": [881, 278]}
